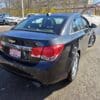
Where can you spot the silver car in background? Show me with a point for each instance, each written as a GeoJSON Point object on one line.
{"type": "Point", "coordinates": [8, 19]}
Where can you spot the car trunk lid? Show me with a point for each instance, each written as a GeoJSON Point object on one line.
{"type": "Point", "coordinates": [18, 44]}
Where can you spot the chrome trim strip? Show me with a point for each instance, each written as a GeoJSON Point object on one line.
{"type": "Point", "coordinates": [16, 46]}
{"type": "Point", "coordinates": [77, 31]}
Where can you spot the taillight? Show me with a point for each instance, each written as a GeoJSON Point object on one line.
{"type": "Point", "coordinates": [36, 52]}
{"type": "Point", "coordinates": [47, 53]}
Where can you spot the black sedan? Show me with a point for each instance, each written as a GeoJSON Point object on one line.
{"type": "Point", "coordinates": [47, 47]}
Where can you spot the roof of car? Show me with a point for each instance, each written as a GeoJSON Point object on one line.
{"type": "Point", "coordinates": [64, 14]}
{"type": "Point", "coordinates": [58, 14]}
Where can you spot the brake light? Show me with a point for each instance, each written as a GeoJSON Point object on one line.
{"type": "Point", "coordinates": [36, 52]}
{"type": "Point", "coordinates": [47, 53]}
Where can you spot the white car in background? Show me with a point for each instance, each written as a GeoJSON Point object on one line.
{"type": "Point", "coordinates": [93, 19]}
{"type": "Point", "coordinates": [5, 18]}
{"type": "Point", "coordinates": [11, 20]}
{"type": "Point", "coordinates": [29, 15]}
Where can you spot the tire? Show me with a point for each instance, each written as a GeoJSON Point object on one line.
{"type": "Point", "coordinates": [74, 67]}
{"type": "Point", "coordinates": [92, 40]}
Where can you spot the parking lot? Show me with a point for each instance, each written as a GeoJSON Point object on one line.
{"type": "Point", "coordinates": [85, 87]}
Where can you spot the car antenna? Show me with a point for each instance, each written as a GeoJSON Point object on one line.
{"type": "Point", "coordinates": [48, 14]}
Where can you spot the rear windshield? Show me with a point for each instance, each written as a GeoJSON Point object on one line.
{"type": "Point", "coordinates": [47, 24]}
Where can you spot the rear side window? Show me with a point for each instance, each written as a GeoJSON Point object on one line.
{"type": "Point", "coordinates": [47, 24]}
{"type": "Point", "coordinates": [77, 25]}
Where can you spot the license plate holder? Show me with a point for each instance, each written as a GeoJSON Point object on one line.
{"type": "Point", "coordinates": [15, 53]}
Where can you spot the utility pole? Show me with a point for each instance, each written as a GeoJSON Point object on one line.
{"type": "Point", "coordinates": [22, 2]}
{"type": "Point", "coordinates": [9, 6]}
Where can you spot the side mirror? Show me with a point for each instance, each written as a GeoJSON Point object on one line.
{"type": "Point", "coordinates": [93, 25]}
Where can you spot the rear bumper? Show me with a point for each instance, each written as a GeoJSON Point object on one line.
{"type": "Point", "coordinates": [45, 76]}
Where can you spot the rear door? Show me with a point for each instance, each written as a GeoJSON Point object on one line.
{"type": "Point", "coordinates": [78, 27]}
{"type": "Point", "coordinates": [87, 28]}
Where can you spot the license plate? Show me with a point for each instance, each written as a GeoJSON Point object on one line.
{"type": "Point", "coordinates": [15, 53]}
